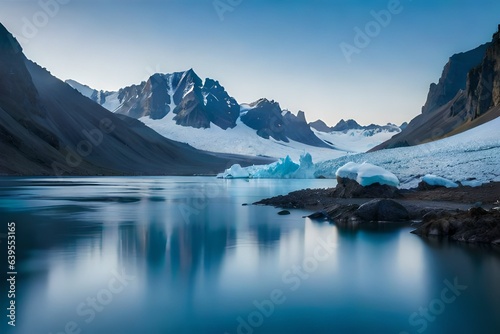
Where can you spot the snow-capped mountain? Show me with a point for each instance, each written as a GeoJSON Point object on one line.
{"type": "Point", "coordinates": [194, 103]}
{"type": "Point", "coordinates": [183, 107]}
{"type": "Point", "coordinates": [190, 102]}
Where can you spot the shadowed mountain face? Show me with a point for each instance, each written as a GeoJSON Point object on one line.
{"type": "Point", "coordinates": [182, 96]}
{"type": "Point", "coordinates": [453, 78]}
{"type": "Point", "coordinates": [467, 95]}
{"type": "Point", "coordinates": [270, 121]}
{"type": "Point", "coordinates": [48, 128]}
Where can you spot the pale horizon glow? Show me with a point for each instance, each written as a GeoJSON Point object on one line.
{"type": "Point", "coordinates": [287, 51]}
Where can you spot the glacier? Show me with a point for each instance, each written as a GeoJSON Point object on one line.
{"type": "Point", "coordinates": [284, 168]}
{"type": "Point", "coordinates": [471, 158]}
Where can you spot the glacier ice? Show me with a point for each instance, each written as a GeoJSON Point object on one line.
{"type": "Point", "coordinates": [235, 172]}
{"type": "Point", "coordinates": [434, 180]}
{"type": "Point", "coordinates": [284, 168]}
{"type": "Point", "coordinates": [472, 155]}
{"type": "Point", "coordinates": [366, 174]}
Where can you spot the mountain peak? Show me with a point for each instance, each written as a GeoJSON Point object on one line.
{"type": "Point", "coordinates": [343, 125]}
{"type": "Point", "coordinates": [7, 42]}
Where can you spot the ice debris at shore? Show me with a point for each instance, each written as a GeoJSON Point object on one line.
{"type": "Point", "coordinates": [434, 180]}
{"type": "Point", "coordinates": [367, 174]}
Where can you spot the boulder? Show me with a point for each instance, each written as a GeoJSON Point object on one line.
{"type": "Point", "coordinates": [382, 210]}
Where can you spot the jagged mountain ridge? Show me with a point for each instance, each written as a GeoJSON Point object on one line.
{"type": "Point", "coordinates": [184, 98]}
{"type": "Point", "coordinates": [47, 128]}
{"type": "Point", "coordinates": [467, 95]}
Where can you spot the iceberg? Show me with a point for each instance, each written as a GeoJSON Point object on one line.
{"type": "Point", "coordinates": [367, 174]}
{"type": "Point", "coordinates": [284, 168]}
{"type": "Point", "coordinates": [434, 180]}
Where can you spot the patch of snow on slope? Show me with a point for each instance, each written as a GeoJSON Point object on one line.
{"type": "Point", "coordinates": [239, 140]}
{"type": "Point", "coordinates": [112, 102]}
{"type": "Point", "coordinates": [171, 91]}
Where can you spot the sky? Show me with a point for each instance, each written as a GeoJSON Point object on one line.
{"type": "Point", "coordinates": [370, 60]}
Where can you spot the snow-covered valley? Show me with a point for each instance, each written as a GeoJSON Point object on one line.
{"type": "Point", "coordinates": [471, 158]}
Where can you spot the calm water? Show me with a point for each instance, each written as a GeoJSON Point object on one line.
{"type": "Point", "coordinates": [182, 255]}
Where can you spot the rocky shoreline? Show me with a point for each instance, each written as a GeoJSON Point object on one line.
{"type": "Point", "coordinates": [462, 214]}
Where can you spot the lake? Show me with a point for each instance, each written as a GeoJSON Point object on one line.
{"type": "Point", "coordinates": [184, 255]}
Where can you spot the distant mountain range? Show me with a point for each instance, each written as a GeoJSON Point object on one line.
{"type": "Point", "coordinates": [350, 124]}
{"type": "Point", "coordinates": [47, 128]}
{"type": "Point", "coordinates": [467, 95]}
{"type": "Point", "coordinates": [179, 105]}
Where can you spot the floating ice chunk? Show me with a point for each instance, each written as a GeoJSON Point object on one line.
{"type": "Point", "coordinates": [434, 180]}
{"type": "Point", "coordinates": [366, 174]}
{"type": "Point", "coordinates": [235, 172]}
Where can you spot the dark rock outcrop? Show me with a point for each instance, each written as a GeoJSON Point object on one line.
{"type": "Point", "coordinates": [377, 210]}
{"type": "Point", "coordinates": [454, 78]}
{"type": "Point", "coordinates": [477, 226]}
{"type": "Point", "coordinates": [347, 188]}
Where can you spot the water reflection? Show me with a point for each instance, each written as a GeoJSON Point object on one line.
{"type": "Point", "coordinates": [197, 260]}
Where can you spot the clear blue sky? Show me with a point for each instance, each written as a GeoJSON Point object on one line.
{"type": "Point", "coordinates": [285, 50]}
